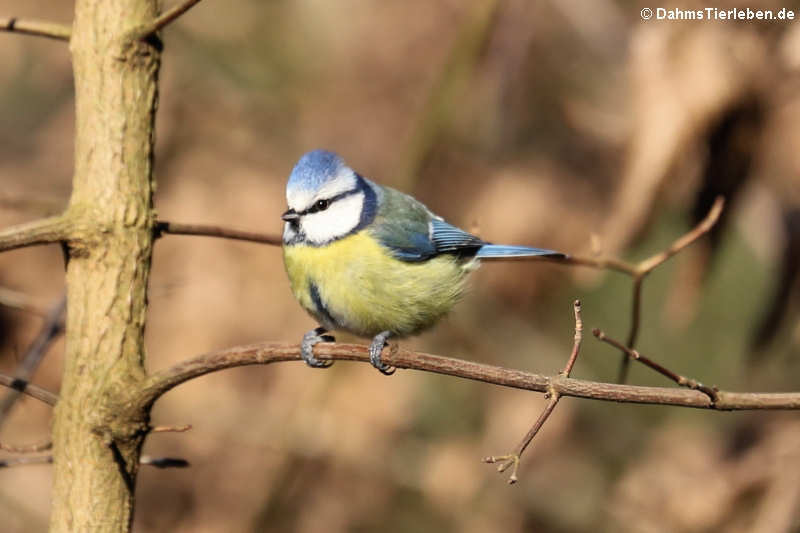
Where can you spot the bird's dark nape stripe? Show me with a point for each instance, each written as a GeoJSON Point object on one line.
{"type": "Point", "coordinates": [370, 207]}
{"type": "Point", "coordinates": [319, 304]}
{"type": "Point", "coordinates": [315, 208]}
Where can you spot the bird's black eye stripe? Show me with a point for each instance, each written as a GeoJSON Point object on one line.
{"type": "Point", "coordinates": [325, 203]}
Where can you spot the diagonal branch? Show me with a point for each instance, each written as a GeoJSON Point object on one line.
{"type": "Point", "coordinates": [683, 381]}
{"type": "Point", "coordinates": [51, 328]}
{"type": "Point", "coordinates": [554, 396]}
{"type": "Point", "coordinates": [43, 231]}
{"type": "Point", "coordinates": [643, 268]}
{"type": "Point", "coordinates": [40, 28]}
{"type": "Point", "coordinates": [163, 20]}
{"type": "Point", "coordinates": [21, 301]}
{"type": "Point", "coordinates": [33, 391]}
{"type": "Point", "coordinates": [266, 353]}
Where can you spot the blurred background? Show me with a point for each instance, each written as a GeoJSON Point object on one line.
{"type": "Point", "coordinates": [561, 124]}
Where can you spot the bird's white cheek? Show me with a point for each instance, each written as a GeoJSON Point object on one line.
{"type": "Point", "coordinates": [337, 221]}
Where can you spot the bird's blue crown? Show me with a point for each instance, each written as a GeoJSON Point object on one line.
{"type": "Point", "coordinates": [313, 170]}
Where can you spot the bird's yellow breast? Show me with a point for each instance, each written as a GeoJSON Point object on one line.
{"type": "Point", "coordinates": [355, 284]}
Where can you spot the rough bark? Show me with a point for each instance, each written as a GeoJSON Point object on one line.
{"type": "Point", "coordinates": [96, 454]}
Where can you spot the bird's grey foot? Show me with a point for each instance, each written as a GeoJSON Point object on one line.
{"type": "Point", "coordinates": [375, 349]}
{"type": "Point", "coordinates": [307, 347]}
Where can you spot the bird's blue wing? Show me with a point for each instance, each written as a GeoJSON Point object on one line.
{"type": "Point", "coordinates": [449, 239]}
{"type": "Point", "coordinates": [414, 241]}
{"type": "Point", "coordinates": [412, 233]}
{"type": "Point", "coordinates": [402, 225]}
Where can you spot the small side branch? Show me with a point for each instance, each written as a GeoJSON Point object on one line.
{"type": "Point", "coordinates": [146, 460]}
{"type": "Point", "coordinates": [52, 327]}
{"type": "Point", "coordinates": [174, 228]}
{"type": "Point", "coordinates": [638, 271]}
{"type": "Point", "coordinates": [513, 459]}
{"type": "Point", "coordinates": [163, 20]}
{"type": "Point", "coordinates": [26, 388]}
{"type": "Point", "coordinates": [22, 461]}
{"type": "Point", "coordinates": [171, 429]}
{"type": "Point", "coordinates": [29, 448]}
{"type": "Point", "coordinates": [164, 462]}
{"type": "Point", "coordinates": [683, 381]}
{"type": "Point", "coordinates": [21, 301]}
{"type": "Point", "coordinates": [686, 240]}
{"type": "Point", "coordinates": [643, 268]}
{"type": "Point", "coordinates": [40, 28]}
{"type": "Point", "coordinates": [43, 231]}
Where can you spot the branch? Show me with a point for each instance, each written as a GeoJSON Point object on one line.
{"type": "Point", "coordinates": [19, 461]}
{"type": "Point", "coordinates": [683, 381]}
{"type": "Point", "coordinates": [163, 20]}
{"type": "Point", "coordinates": [40, 28]}
{"type": "Point", "coordinates": [21, 301]}
{"type": "Point", "coordinates": [51, 328]}
{"type": "Point", "coordinates": [689, 238]}
{"type": "Point", "coordinates": [638, 271]}
{"type": "Point", "coordinates": [43, 231]}
{"type": "Point", "coordinates": [644, 267]}
{"type": "Point", "coordinates": [174, 228]}
{"type": "Point", "coordinates": [266, 353]}
{"type": "Point", "coordinates": [170, 429]}
{"type": "Point", "coordinates": [164, 462]}
{"type": "Point", "coordinates": [31, 390]}
{"type": "Point", "coordinates": [146, 460]}
{"type": "Point", "coordinates": [29, 448]}
{"type": "Point", "coordinates": [553, 396]}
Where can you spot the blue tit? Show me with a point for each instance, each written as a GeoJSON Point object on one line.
{"type": "Point", "coordinates": [371, 260]}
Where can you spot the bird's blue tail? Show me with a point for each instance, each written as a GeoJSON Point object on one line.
{"type": "Point", "coordinates": [500, 251]}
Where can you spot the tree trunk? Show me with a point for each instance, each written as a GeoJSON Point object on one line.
{"type": "Point", "coordinates": [96, 453]}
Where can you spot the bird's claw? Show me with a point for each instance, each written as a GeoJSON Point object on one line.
{"type": "Point", "coordinates": [311, 338]}
{"type": "Point", "coordinates": [375, 349]}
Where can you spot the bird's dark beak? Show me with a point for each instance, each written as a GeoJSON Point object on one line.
{"type": "Point", "coordinates": [290, 216]}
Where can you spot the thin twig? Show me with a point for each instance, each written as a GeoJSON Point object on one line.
{"type": "Point", "coordinates": [170, 429]}
{"type": "Point", "coordinates": [683, 381]}
{"type": "Point", "coordinates": [164, 19]}
{"type": "Point", "coordinates": [163, 462]}
{"type": "Point", "coordinates": [633, 334]}
{"type": "Point", "coordinates": [643, 268]}
{"type": "Point", "coordinates": [689, 238]}
{"type": "Point", "coordinates": [576, 345]}
{"type": "Point", "coordinates": [31, 390]}
{"type": "Point", "coordinates": [42, 231]}
{"type": "Point", "coordinates": [513, 458]}
{"type": "Point", "coordinates": [146, 460]}
{"type": "Point", "coordinates": [174, 228]}
{"type": "Point", "coordinates": [20, 461]}
{"type": "Point", "coordinates": [28, 448]}
{"type": "Point", "coordinates": [39, 28]}
{"type": "Point", "coordinates": [21, 301]}
{"type": "Point", "coordinates": [51, 328]}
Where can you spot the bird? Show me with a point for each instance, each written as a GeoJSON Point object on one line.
{"type": "Point", "coordinates": [370, 260]}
